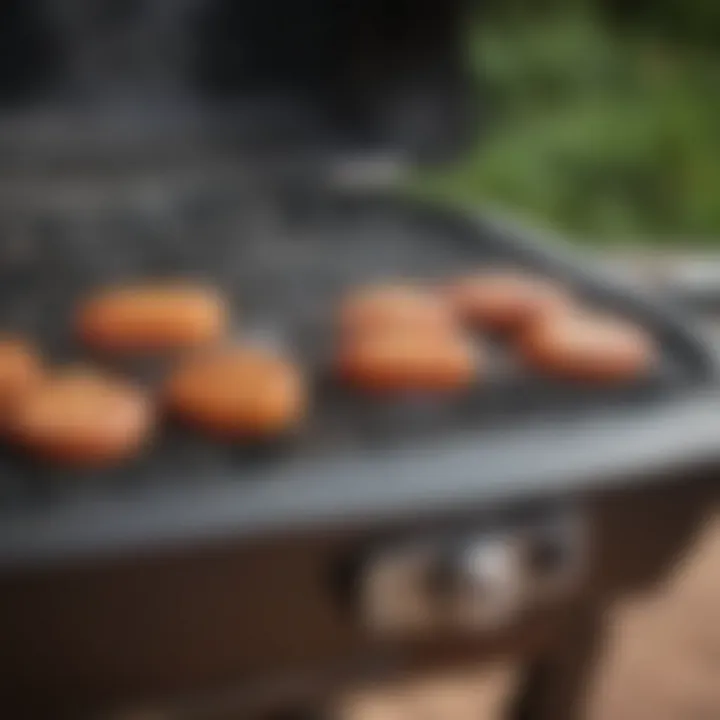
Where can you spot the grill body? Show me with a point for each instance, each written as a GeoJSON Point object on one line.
{"type": "Point", "coordinates": [209, 579]}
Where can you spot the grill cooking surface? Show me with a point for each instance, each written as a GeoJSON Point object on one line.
{"type": "Point", "coordinates": [285, 261]}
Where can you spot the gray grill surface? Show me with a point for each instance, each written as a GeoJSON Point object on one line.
{"type": "Point", "coordinates": [284, 259]}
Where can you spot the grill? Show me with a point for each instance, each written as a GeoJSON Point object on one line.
{"type": "Point", "coordinates": [514, 460]}
{"type": "Point", "coordinates": [383, 538]}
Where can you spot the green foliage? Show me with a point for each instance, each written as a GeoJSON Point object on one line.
{"type": "Point", "coordinates": [598, 133]}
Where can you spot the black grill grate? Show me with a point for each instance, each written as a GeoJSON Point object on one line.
{"type": "Point", "coordinates": [284, 259]}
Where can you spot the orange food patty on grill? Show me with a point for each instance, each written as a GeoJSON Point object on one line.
{"type": "Point", "coordinates": [588, 347]}
{"type": "Point", "coordinates": [81, 417]}
{"type": "Point", "coordinates": [505, 301]}
{"type": "Point", "coordinates": [152, 317]}
{"type": "Point", "coordinates": [385, 308]}
{"type": "Point", "coordinates": [237, 393]}
{"type": "Point", "coordinates": [409, 361]}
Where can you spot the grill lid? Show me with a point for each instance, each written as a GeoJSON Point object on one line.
{"type": "Point", "coordinates": [327, 80]}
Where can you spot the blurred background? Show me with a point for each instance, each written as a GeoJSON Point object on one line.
{"type": "Point", "coordinates": [602, 118]}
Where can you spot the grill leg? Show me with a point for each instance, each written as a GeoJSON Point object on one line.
{"type": "Point", "coordinates": [556, 685]}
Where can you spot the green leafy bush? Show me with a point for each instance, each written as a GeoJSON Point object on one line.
{"type": "Point", "coordinates": [598, 133]}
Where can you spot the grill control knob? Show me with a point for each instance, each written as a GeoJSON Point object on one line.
{"type": "Point", "coordinates": [481, 583]}
{"type": "Point", "coordinates": [555, 558]}
{"type": "Point", "coordinates": [548, 556]}
{"type": "Point", "coordinates": [478, 584]}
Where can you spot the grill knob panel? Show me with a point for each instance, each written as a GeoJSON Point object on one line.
{"type": "Point", "coordinates": [476, 582]}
